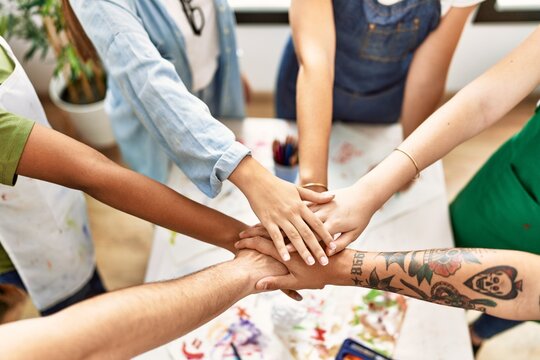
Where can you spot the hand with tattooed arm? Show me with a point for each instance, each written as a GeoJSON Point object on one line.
{"type": "Point", "coordinates": [499, 282]}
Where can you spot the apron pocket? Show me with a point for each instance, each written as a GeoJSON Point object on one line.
{"type": "Point", "coordinates": [390, 43]}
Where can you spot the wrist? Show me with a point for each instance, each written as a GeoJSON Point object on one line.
{"type": "Point", "coordinates": [232, 235]}
{"type": "Point", "coordinates": [340, 268]}
{"type": "Point", "coordinates": [240, 269]}
{"type": "Point", "coordinates": [352, 267]}
{"type": "Point", "coordinates": [387, 178]}
{"type": "Point", "coordinates": [249, 173]}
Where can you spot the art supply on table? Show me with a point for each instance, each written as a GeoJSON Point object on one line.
{"type": "Point", "coordinates": [235, 352]}
{"type": "Point", "coordinates": [285, 156]}
{"type": "Point", "coordinates": [352, 350]}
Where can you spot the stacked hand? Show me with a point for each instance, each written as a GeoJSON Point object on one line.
{"type": "Point", "coordinates": [280, 208]}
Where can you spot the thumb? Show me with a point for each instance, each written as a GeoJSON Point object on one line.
{"type": "Point", "coordinates": [293, 294]}
{"type": "Point", "coordinates": [276, 283]}
{"type": "Point", "coordinates": [315, 197]}
{"type": "Point", "coordinates": [342, 242]}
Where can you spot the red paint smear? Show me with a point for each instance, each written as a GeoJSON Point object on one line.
{"type": "Point", "coordinates": [346, 152]}
{"type": "Point", "coordinates": [319, 334]}
{"type": "Point", "coordinates": [242, 313]}
{"type": "Point", "coordinates": [189, 355]}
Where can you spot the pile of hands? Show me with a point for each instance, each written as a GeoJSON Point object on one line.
{"type": "Point", "coordinates": [308, 256]}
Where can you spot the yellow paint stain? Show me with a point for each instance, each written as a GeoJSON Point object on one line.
{"type": "Point", "coordinates": [172, 238]}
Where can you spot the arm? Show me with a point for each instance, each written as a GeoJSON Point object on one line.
{"type": "Point", "coordinates": [426, 79]}
{"type": "Point", "coordinates": [51, 156]}
{"type": "Point", "coordinates": [122, 324]}
{"type": "Point", "coordinates": [314, 37]}
{"type": "Point", "coordinates": [502, 283]}
{"type": "Point", "coordinates": [188, 132]}
{"type": "Point", "coordinates": [471, 110]}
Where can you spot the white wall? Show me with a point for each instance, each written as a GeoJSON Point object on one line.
{"type": "Point", "coordinates": [39, 70]}
{"type": "Point", "coordinates": [480, 47]}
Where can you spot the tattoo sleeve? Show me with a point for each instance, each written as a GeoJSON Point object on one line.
{"type": "Point", "coordinates": [478, 279]}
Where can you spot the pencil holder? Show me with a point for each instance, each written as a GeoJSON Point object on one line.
{"type": "Point", "coordinates": [287, 173]}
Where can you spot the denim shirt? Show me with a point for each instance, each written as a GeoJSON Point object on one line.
{"type": "Point", "coordinates": [375, 45]}
{"type": "Point", "coordinates": [155, 117]}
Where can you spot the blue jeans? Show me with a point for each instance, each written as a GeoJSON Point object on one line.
{"type": "Point", "coordinates": [93, 287]}
{"type": "Point", "coordinates": [487, 326]}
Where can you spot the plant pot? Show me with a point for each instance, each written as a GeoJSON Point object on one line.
{"type": "Point", "coordinates": [90, 120]}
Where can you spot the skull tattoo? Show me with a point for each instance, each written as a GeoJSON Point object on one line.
{"type": "Point", "coordinates": [499, 282]}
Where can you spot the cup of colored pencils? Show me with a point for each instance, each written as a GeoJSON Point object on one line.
{"type": "Point", "coordinates": [286, 159]}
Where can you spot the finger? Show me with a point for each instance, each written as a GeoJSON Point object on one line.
{"type": "Point", "coordinates": [298, 243]}
{"type": "Point", "coordinates": [315, 197]}
{"type": "Point", "coordinates": [257, 230]}
{"type": "Point", "coordinates": [318, 227]}
{"type": "Point", "coordinates": [262, 245]}
{"type": "Point", "coordinates": [277, 283]}
{"type": "Point", "coordinates": [310, 240]}
{"type": "Point", "coordinates": [293, 294]}
{"type": "Point", "coordinates": [343, 241]}
{"type": "Point", "coordinates": [279, 243]}
{"type": "Point", "coordinates": [291, 248]}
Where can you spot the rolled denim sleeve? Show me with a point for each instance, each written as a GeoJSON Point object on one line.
{"type": "Point", "coordinates": [201, 146]}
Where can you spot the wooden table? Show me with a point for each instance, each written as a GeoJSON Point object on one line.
{"type": "Point", "coordinates": [418, 219]}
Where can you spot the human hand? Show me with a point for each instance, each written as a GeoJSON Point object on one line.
{"type": "Point", "coordinates": [278, 205]}
{"type": "Point", "coordinates": [299, 275]}
{"type": "Point", "coordinates": [348, 214]}
{"type": "Point", "coordinates": [258, 266]}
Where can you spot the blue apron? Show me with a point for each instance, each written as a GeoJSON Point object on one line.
{"type": "Point", "coordinates": [375, 45]}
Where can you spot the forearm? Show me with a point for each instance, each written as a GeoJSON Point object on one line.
{"type": "Point", "coordinates": [45, 157]}
{"type": "Point", "coordinates": [500, 282]}
{"type": "Point", "coordinates": [477, 106]}
{"type": "Point", "coordinates": [428, 71]}
{"type": "Point", "coordinates": [314, 38]}
{"type": "Point", "coordinates": [147, 199]}
{"type": "Point", "coordinates": [314, 119]}
{"type": "Point", "coordinates": [128, 322]}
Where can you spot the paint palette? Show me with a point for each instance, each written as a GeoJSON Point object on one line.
{"type": "Point", "coordinates": [271, 326]}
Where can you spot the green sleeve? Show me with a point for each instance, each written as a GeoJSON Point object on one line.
{"type": "Point", "coordinates": [14, 132]}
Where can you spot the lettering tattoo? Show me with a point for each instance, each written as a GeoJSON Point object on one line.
{"type": "Point", "coordinates": [446, 294]}
{"type": "Point", "coordinates": [358, 261]}
{"type": "Point", "coordinates": [498, 282]}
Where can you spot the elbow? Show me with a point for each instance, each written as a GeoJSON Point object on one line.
{"type": "Point", "coordinates": [93, 175]}
{"type": "Point", "coordinates": [317, 64]}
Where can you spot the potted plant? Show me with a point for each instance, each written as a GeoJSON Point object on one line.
{"type": "Point", "coordinates": [79, 83]}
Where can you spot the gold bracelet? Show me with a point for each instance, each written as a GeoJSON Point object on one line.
{"type": "Point", "coordinates": [413, 161]}
{"type": "Point", "coordinates": [315, 184]}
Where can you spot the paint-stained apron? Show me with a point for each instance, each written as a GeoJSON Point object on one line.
{"type": "Point", "coordinates": [500, 207]}
{"type": "Point", "coordinates": [43, 226]}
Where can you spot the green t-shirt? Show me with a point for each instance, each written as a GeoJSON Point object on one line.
{"type": "Point", "coordinates": [14, 132]}
{"type": "Point", "coordinates": [6, 65]}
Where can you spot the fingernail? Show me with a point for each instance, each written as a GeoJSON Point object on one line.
{"type": "Point", "coordinates": [332, 245]}
{"type": "Point", "coordinates": [236, 244]}
{"type": "Point", "coordinates": [265, 286]}
{"type": "Point", "coordinates": [324, 260]}
{"type": "Point", "coordinates": [286, 256]}
{"type": "Point", "coordinates": [310, 260]}
{"type": "Point", "coordinates": [298, 297]}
